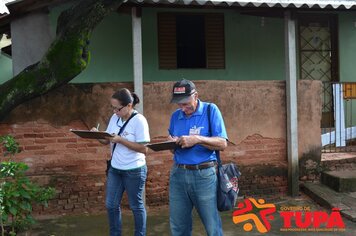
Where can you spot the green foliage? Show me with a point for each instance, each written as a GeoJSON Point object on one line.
{"type": "Point", "coordinates": [10, 145]}
{"type": "Point", "coordinates": [17, 192]}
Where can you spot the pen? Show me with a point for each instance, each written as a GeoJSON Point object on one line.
{"type": "Point", "coordinates": [97, 127]}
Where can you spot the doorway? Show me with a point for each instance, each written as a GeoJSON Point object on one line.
{"type": "Point", "coordinates": [318, 57]}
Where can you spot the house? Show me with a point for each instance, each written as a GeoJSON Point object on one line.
{"type": "Point", "coordinates": [265, 63]}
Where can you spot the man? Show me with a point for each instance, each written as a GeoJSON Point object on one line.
{"type": "Point", "coordinates": [193, 179]}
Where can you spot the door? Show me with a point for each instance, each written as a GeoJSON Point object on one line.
{"type": "Point", "coordinates": [318, 57]}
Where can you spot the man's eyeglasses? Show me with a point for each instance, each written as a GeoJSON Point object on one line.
{"type": "Point", "coordinates": [117, 109]}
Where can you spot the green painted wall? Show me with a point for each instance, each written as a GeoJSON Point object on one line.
{"type": "Point", "coordinates": [347, 46]}
{"type": "Point", "coordinates": [110, 47]}
{"type": "Point", "coordinates": [252, 52]}
{"type": "Point", "coordinates": [111, 52]}
{"type": "Point", "coordinates": [347, 61]}
{"type": "Point", "coordinates": [5, 68]}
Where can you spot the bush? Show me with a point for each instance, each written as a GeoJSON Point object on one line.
{"type": "Point", "coordinates": [17, 192]}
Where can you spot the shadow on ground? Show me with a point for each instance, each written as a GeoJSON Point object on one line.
{"type": "Point", "coordinates": [158, 224]}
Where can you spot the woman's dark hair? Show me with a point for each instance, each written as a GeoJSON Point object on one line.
{"type": "Point", "coordinates": [124, 96]}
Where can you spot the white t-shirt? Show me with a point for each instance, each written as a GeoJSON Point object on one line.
{"type": "Point", "coordinates": [135, 131]}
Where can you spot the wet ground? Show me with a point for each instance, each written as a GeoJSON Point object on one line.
{"type": "Point", "coordinates": [158, 223]}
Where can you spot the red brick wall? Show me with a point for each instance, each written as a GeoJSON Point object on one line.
{"type": "Point", "coordinates": [57, 158]}
{"type": "Point", "coordinates": [262, 162]}
{"type": "Point", "coordinates": [75, 166]}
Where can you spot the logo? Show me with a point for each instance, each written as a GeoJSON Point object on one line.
{"type": "Point", "coordinates": [179, 90]}
{"type": "Point", "coordinates": [234, 183]}
{"type": "Point", "coordinates": [303, 219]}
{"type": "Point", "coordinates": [195, 130]}
{"type": "Point", "coordinates": [244, 213]}
{"type": "Point", "coordinates": [294, 218]}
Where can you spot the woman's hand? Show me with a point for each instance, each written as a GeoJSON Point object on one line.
{"type": "Point", "coordinates": [116, 139]}
{"type": "Point", "coordinates": [102, 141]}
{"type": "Point", "coordinates": [94, 129]}
{"type": "Point", "coordinates": [137, 147]}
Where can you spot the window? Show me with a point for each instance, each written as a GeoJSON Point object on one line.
{"type": "Point", "coordinates": [191, 41]}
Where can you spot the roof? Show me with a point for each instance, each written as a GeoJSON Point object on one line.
{"type": "Point", "coordinates": [20, 7]}
{"type": "Point", "coordinates": [328, 4]}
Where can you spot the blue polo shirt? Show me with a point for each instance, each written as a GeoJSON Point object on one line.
{"type": "Point", "coordinates": [197, 124]}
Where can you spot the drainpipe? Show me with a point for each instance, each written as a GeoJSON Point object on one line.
{"type": "Point", "coordinates": [291, 102]}
{"type": "Point", "coordinates": [137, 55]}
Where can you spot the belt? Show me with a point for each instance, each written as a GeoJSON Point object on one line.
{"type": "Point", "coordinates": [197, 167]}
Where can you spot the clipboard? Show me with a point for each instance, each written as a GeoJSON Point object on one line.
{"type": "Point", "coordinates": [161, 146]}
{"type": "Point", "coordinates": [92, 134]}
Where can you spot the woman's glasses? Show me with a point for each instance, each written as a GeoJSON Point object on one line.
{"type": "Point", "coordinates": [117, 109]}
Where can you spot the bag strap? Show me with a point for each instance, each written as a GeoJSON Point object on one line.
{"type": "Point", "coordinates": [122, 130]}
{"type": "Point", "coordinates": [217, 152]}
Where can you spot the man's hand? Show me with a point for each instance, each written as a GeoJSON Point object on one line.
{"type": "Point", "coordinates": [172, 138]}
{"type": "Point", "coordinates": [212, 143]}
{"type": "Point", "coordinates": [188, 141]}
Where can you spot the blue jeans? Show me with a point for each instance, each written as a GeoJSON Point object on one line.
{"type": "Point", "coordinates": [188, 188]}
{"type": "Point", "coordinates": [133, 181]}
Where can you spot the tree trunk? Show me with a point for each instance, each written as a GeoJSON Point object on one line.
{"type": "Point", "coordinates": [67, 56]}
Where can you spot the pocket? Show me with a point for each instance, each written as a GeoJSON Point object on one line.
{"type": "Point", "coordinates": [173, 171]}
{"type": "Point", "coordinates": [138, 172]}
{"type": "Point", "coordinates": [207, 173]}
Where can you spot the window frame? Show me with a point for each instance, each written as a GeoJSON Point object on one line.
{"type": "Point", "coordinates": [214, 40]}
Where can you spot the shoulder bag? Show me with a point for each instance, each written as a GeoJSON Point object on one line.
{"type": "Point", "coordinates": [228, 176]}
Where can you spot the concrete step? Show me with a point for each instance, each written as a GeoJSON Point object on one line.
{"type": "Point", "coordinates": [340, 181]}
{"type": "Point", "coordinates": [329, 198]}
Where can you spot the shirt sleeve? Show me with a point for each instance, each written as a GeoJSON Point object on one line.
{"type": "Point", "coordinates": [217, 123]}
{"type": "Point", "coordinates": [170, 129]}
{"type": "Point", "coordinates": [174, 119]}
{"type": "Point", "coordinates": [142, 133]}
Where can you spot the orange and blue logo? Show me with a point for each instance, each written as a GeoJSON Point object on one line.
{"type": "Point", "coordinates": [294, 218]}
{"type": "Point", "coordinates": [260, 219]}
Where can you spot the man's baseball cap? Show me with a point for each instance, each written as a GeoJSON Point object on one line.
{"type": "Point", "coordinates": [182, 90]}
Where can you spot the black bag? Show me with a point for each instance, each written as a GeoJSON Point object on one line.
{"type": "Point", "coordinates": [228, 186]}
{"type": "Point", "coordinates": [108, 162]}
{"type": "Point", "coordinates": [228, 176]}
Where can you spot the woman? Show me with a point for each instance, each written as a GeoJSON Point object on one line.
{"type": "Point", "coordinates": [128, 169]}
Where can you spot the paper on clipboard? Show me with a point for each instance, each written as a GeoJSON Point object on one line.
{"type": "Point", "coordinates": [161, 146]}
{"type": "Point", "coordinates": [91, 134]}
